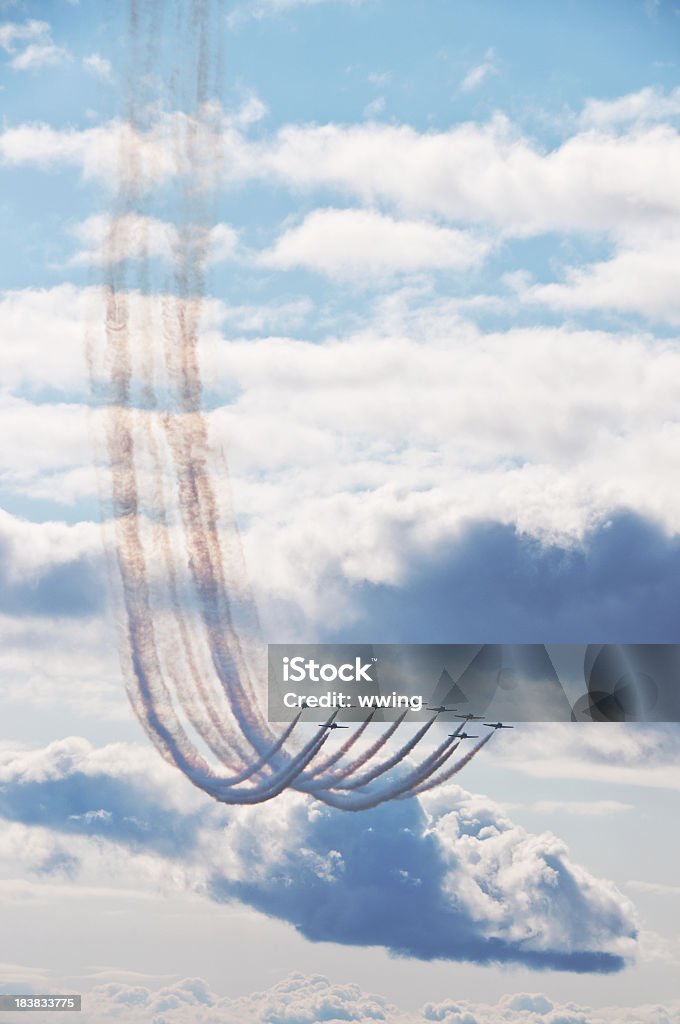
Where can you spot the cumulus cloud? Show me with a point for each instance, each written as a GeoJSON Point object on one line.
{"type": "Point", "coordinates": [99, 66]}
{"type": "Point", "coordinates": [313, 999]}
{"type": "Point", "coordinates": [535, 435]}
{"type": "Point", "coordinates": [50, 569]}
{"type": "Point", "coordinates": [620, 582]}
{"type": "Point", "coordinates": [549, 444]}
{"type": "Point", "coordinates": [446, 878]}
{"type": "Point", "coordinates": [646, 105]}
{"type": "Point", "coordinates": [104, 151]}
{"type": "Point", "coordinates": [354, 244]}
{"type": "Point", "coordinates": [549, 433]}
{"type": "Point", "coordinates": [105, 239]}
{"type": "Point", "coordinates": [487, 172]}
{"type": "Point", "coordinates": [592, 181]}
{"type": "Point", "coordinates": [39, 56]}
{"type": "Point", "coordinates": [30, 45]}
{"type": "Point", "coordinates": [39, 674]}
{"type": "Point", "coordinates": [638, 278]}
{"type": "Point", "coordinates": [48, 452]}
{"type": "Point", "coordinates": [108, 240]}
{"type": "Point", "coordinates": [13, 32]}
{"type": "Point", "coordinates": [298, 999]}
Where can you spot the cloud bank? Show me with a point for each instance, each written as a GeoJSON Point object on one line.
{"type": "Point", "coordinates": [448, 877]}
{"type": "Point", "coordinates": [313, 999]}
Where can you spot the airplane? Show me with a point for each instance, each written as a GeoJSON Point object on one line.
{"type": "Point", "coordinates": [440, 709]}
{"type": "Point", "coordinates": [498, 725]}
{"type": "Point", "coordinates": [462, 736]}
{"type": "Point", "coordinates": [469, 717]}
{"type": "Point", "coordinates": [333, 725]}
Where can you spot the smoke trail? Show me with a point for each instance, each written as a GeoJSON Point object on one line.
{"type": "Point", "coordinates": [404, 785]}
{"type": "Point", "coordinates": [342, 751]}
{"type": "Point", "coordinates": [450, 772]}
{"type": "Point", "coordinates": [191, 635]}
{"type": "Point", "coordinates": [348, 769]}
{"type": "Point", "coordinates": [365, 777]}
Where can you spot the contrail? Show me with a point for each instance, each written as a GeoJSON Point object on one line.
{"type": "Point", "coordinates": [401, 786]}
{"type": "Point", "coordinates": [365, 777]}
{"type": "Point", "coordinates": [364, 758]}
{"type": "Point", "coordinates": [450, 772]}
{"type": "Point", "coordinates": [342, 751]}
{"type": "Point", "coordinates": [191, 645]}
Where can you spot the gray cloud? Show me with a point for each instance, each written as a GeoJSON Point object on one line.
{"type": "Point", "coordinates": [620, 584]}
{"type": "Point", "coordinates": [448, 877]}
{"type": "Point", "coordinates": [50, 569]}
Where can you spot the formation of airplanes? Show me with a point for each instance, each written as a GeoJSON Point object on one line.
{"type": "Point", "coordinates": [469, 717]}
{"type": "Point", "coordinates": [438, 710]}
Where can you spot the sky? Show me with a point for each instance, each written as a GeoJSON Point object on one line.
{"type": "Point", "coordinates": [438, 344]}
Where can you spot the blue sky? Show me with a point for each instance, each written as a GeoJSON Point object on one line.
{"type": "Point", "coordinates": [439, 349]}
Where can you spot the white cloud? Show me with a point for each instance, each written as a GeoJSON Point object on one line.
{"type": "Point", "coordinates": [48, 450]}
{"type": "Point", "coordinates": [43, 339]}
{"type": "Point", "coordinates": [54, 600]}
{"type": "Point", "coordinates": [29, 549]}
{"type": "Point", "coordinates": [639, 278]}
{"type": "Point", "coordinates": [38, 48]}
{"type": "Point", "coordinates": [593, 181]}
{"type": "Point", "coordinates": [99, 66]}
{"type": "Point", "coordinates": [446, 440]}
{"type": "Point", "coordinates": [108, 240]}
{"type": "Point", "coordinates": [478, 74]}
{"type": "Point", "coordinates": [39, 56]}
{"type": "Point", "coordinates": [105, 239]}
{"type": "Point", "coordinates": [550, 430]}
{"type": "Point", "coordinates": [114, 153]}
{"type": "Point", "coordinates": [647, 105]}
{"type": "Point", "coordinates": [358, 244]}
{"type": "Point", "coordinates": [490, 173]}
{"type": "Point", "coordinates": [298, 999]}
{"type": "Point", "coordinates": [13, 32]}
{"type": "Point", "coordinates": [223, 243]}
{"type": "Point", "coordinates": [312, 999]}
{"type": "Point", "coordinates": [375, 107]}
{"type": "Point", "coordinates": [636, 755]}
{"type": "Point", "coordinates": [40, 676]}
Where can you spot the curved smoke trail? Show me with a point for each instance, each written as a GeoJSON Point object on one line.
{"type": "Point", "coordinates": [191, 638]}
